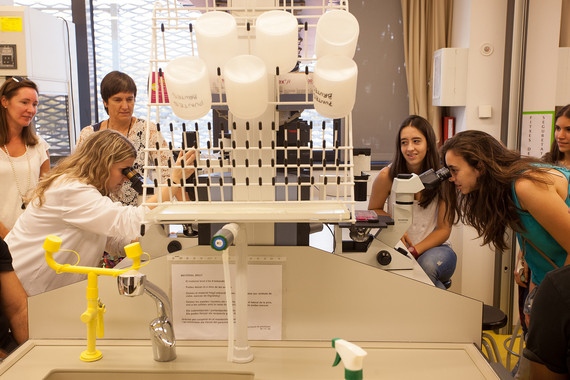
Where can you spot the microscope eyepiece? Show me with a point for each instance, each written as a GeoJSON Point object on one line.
{"type": "Point", "coordinates": [443, 174]}
{"type": "Point", "coordinates": [135, 178]}
{"type": "Point", "coordinates": [432, 179]}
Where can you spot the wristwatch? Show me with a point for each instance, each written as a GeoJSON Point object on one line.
{"type": "Point", "coordinates": [413, 251]}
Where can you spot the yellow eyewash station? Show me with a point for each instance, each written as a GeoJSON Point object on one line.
{"type": "Point", "coordinates": [93, 316]}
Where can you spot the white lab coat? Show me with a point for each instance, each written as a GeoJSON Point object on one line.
{"type": "Point", "coordinates": [86, 221]}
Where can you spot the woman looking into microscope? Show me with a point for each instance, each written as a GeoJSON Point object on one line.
{"type": "Point", "coordinates": [427, 237]}
{"type": "Point", "coordinates": [493, 188]}
{"type": "Point", "coordinates": [71, 202]}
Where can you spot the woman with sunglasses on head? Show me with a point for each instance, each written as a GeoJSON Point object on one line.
{"type": "Point", "coordinates": [119, 92]}
{"type": "Point", "coordinates": [24, 156]}
{"type": "Point", "coordinates": [71, 201]}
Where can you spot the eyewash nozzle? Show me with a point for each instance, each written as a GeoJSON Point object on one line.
{"type": "Point", "coordinates": [224, 237]}
{"type": "Point", "coordinates": [351, 355]}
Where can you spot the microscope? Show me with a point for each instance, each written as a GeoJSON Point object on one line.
{"type": "Point", "coordinates": [382, 248]}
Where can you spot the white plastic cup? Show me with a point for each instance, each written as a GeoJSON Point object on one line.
{"type": "Point", "coordinates": [337, 33]}
{"type": "Point", "coordinates": [334, 86]}
{"type": "Point", "coordinates": [216, 39]}
{"type": "Point", "coordinates": [188, 87]}
{"type": "Point", "coordinates": [246, 83]}
{"type": "Point", "coordinates": [277, 40]}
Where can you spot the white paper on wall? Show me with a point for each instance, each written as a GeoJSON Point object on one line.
{"type": "Point", "coordinates": [536, 133]}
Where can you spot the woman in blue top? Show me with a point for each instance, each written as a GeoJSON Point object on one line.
{"type": "Point", "coordinates": [493, 188]}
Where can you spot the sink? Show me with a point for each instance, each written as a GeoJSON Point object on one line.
{"type": "Point", "coordinates": [147, 375]}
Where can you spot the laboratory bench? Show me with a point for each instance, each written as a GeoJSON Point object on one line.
{"type": "Point", "coordinates": [130, 359]}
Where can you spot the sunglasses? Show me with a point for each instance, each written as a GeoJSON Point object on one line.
{"type": "Point", "coordinates": [18, 79]}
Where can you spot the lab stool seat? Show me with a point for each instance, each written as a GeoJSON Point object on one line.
{"type": "Point", "coordinates": [493, 319]}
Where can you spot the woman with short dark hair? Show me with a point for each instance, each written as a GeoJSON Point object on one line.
{"type": "Point", "coordinates": [119, 92]}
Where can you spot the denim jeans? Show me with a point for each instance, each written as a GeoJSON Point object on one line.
{"type": "Point", "coordinates": [439, 264]}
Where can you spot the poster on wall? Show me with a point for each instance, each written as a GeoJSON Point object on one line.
{"type": "Point", "coordinates": [537, 133]}
{"type": "Point", "coordinates": [199, 301]}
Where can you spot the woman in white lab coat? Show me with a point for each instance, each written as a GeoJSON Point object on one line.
{"type": "Point", "coordinates": [72, 202]}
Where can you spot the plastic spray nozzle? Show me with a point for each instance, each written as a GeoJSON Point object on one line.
{"type": "Point", "coordinates": [351, 355]}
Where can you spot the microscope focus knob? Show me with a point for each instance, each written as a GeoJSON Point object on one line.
{"type": "Point", "coordinates": [383, 257]}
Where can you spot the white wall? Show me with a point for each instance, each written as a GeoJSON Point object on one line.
{"type": "Point", "coordinates": [479, 23]}
{"type": "Point", "coordinates": [542, 55]}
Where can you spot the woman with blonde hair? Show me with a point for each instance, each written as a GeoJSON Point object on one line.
{"type": "Point", "coordinates": [72, 202]}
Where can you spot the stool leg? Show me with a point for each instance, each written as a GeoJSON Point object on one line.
{"type": "Point", "coordinates": [487, 351]}
{"type": "Point", "coordinates": [494, 345]}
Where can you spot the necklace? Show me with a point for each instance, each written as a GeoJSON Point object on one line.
{"type": "Point", "coordinates": [128, 130]}
{"type": "Point", "coordinates": [22, 194]}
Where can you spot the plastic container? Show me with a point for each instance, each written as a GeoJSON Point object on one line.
{"type": "Point", "coordinates": [277, 40]}
{"type": "Point", "coordinates": [188, 87]}
{"type": "Point", "coordinates": [334, 86]}
{"type": "Point", "coordinates": [216, 38]}
{"type": "Point", "coordinates": [246, 83]}
{"type": "Point", "coordinates": [337, 34]}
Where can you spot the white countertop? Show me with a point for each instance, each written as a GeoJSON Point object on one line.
{"type": "Point", "coordinates": [278, 360]}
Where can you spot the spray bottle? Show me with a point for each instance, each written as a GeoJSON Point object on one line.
{"type": "Point", "coordinates": [352, 357]}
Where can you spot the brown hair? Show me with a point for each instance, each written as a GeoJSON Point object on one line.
{"type": "Point", "coordinates": [8, 90]}
{"type": "Point", "coordinates": [555, 155]}
{"type": "Point", "coordinates": [431, 160]}
{"type": "Point", "coordinates": [490, 209]}
{"type": "Point", "coordinates": [114, 83]}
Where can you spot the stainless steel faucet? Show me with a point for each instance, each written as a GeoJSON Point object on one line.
{"type": "Point", "coordinates": [134, 283]}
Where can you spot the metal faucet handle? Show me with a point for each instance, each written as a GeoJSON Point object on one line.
{"type": "Point", "coordinates": [131, 283]}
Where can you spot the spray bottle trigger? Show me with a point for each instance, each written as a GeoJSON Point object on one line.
{"type": "Point", "coordinates": [337, 359]}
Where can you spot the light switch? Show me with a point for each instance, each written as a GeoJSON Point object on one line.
{"type": "Point", "coordinates": [485, 112]}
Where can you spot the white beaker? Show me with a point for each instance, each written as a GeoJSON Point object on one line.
{"type": "Point", "coordinates": [188, 87]}
{"type": "Point", "coordinates": [337, 33]}
{"type": "Point", "coordinates": [246, 83]}
{"type": "Point", "coordinates": [216, 39]}
{"type": "Point", "coordinates": [277, 40]}
{"type": "Point", "coordinates": [334, 86]}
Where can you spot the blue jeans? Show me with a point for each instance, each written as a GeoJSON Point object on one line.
{"type": "Point", "coordinates": [439, 264]}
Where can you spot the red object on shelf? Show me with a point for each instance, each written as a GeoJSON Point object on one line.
{"type": "Point", "coordinates": [158, 92]}
{"type": "Point", "coordinates": [447, 128]}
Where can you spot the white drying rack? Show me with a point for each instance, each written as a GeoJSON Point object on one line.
{"type": "Point", "coordinates": [252, 178]}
